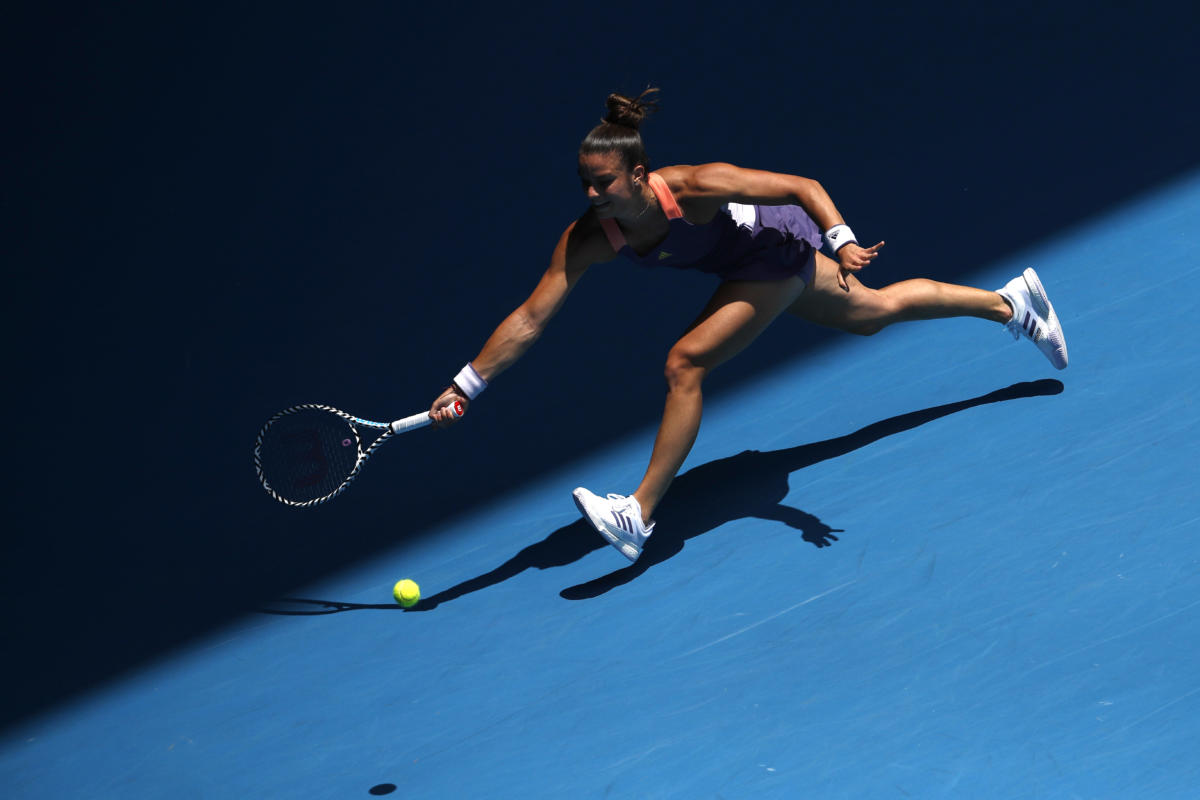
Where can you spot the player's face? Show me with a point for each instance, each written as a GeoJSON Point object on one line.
{"type": "Point", "coordinates": [610, 186]}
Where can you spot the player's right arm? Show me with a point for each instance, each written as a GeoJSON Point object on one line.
{"type": "Point", "coordinates": [582, 244]}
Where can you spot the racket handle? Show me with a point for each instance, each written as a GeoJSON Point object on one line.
{"type": "Point", "coordinates": [423, 419]}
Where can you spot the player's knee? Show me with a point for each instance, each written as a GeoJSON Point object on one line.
{"type": "Point", "coordinates": [872, 316]}
{"type": "Point", "coordinates": [867, 327]}
{"type": "Point", "coordinates": [681, 370]}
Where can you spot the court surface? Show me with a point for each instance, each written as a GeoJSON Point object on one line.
{"type": "Point", "coordinates": [923, 564]}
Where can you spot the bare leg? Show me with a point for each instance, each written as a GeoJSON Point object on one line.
{"type": "Point", "coordinates": [867, 311]}
{"type": "Point", "coordinates": [740, 311]}
{"type": "Point", "coordinates": [737, 313]}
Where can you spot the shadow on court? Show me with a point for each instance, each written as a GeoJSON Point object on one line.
{"type": "Point", "coordinates": [751, 484]}
{"type": "Point", "coordinates": [308, 607]}
{"type": "Point", "coordinates": [291, 219]}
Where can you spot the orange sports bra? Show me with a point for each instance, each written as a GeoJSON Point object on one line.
{"type": "Point", "coordinates": [665, 199]}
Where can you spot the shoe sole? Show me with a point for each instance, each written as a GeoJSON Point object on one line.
{"type": "Point", "coordinates": [1037, 293]}
{"type": "Point", "coordinates": [623, 547]}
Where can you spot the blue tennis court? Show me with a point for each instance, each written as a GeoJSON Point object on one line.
{"type": "Point", "coordinates": [921, 564]}
{"type": "Point", "coordinates": [927, 566]}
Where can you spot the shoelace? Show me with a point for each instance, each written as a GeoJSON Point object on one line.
{"type": "Point", "coordinates": [621, 504]}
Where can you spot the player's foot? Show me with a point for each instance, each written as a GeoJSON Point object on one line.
{"type": "Point", "coordinates": [617, 518]}
{"type": "Point", "coordinates": [1034, 318]}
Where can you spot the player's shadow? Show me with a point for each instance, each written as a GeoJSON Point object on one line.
{"type": "Point", "coordinates": [750, 484]}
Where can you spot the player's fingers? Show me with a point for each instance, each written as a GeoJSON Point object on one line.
{"type": "Point", "coordinates": [449, 411]}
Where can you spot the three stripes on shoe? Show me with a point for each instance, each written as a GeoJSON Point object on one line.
{"type": "Point", "coordinates": [1030, 325]}
{"type": "Point", "coordinates": [625, 522]}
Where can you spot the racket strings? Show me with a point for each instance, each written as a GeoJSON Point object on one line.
{"type": "Point", "coordinates": [307, 454]}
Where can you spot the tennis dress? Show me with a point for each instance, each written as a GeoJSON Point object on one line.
{"type": "Point", "coordinates": [741, 243]}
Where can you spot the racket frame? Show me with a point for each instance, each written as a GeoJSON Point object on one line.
{"type": "Point", "coordinates": [390, 429]}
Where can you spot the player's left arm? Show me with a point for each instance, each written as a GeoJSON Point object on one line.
{"type": "Point", "coordinates": [719, 183]}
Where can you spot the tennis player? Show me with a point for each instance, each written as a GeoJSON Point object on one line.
{"type": "Point", "coordinates": [761, 234]}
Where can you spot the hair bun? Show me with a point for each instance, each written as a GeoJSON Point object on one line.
{"type": "Point", "coordinates": [630, 112]}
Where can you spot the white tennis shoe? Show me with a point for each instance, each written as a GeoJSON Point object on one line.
{"type": "Point", "coordinates": [617, 518]}
{"type": "Point", "coordinates": [1034, 318]}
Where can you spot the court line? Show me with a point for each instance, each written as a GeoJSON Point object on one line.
{"type": "Point", "coordinates": [1114, 637]}
{"type": "Point", "coordinates": [768, 619]}
{"type": "Point", "coordinates": [1131, 295]}
{"type": "Point", "coordinates": [1140, 720]}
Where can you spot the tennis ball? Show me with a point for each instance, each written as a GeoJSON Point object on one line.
{"type": "Point", "coordinates": [406, 592]}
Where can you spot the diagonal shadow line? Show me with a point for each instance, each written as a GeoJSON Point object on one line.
{"type": "Point", "coordinates": [751, 484]}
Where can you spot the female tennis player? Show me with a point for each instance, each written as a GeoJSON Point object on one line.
{"type": "Point", "coordinates": [760, 233]}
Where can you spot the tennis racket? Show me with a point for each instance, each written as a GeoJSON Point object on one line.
{"type": "Point", "coordinates": [309, 454]}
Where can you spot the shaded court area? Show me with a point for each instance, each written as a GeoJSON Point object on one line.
{"type": "Point", "coordinates": [923, 564]}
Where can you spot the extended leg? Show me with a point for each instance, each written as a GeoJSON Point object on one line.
{"type": "Point", "coordinates": [1022, 305]}
{"type": "Point", "coordinates": [737, 313]}
{"type": "Point", "coordinates": [867, 311]}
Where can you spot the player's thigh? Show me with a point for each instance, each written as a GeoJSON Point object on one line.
{"type": "Point", "coordinates": [735, 315]}
{"type": "Point", "coordinates": [825, 302]}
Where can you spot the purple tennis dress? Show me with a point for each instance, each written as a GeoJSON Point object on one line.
{"type": "Point", "coordinates": [741, 243]}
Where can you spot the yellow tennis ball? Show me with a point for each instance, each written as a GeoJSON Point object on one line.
{"type": "Point", "coordinates": [406, 592]}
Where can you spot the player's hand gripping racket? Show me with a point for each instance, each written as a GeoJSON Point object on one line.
{"type": "Point", "coordinates": [308, 454]}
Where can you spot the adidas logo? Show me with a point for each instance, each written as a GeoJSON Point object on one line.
{"type": "Point", "coordinates": [1031, 327]}
{"type": "Point", "coordinates": [625, 522]}
{"type": "Point", "coordinates": [663, 255]}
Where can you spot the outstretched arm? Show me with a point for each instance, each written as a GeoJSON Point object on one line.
{"type": "Point", "coordinates": [577, 249]}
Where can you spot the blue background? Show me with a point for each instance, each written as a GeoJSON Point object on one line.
{"type": "Point", "coordinates": [213, 212]}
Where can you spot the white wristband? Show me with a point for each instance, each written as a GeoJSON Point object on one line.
{"type": "Point", "coordinates": [469, 381]}
{"type": "Point", "coordinates": [839, 236]}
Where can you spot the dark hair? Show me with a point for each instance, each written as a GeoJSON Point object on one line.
{"type": "Point", "coordinates": [618, 131]}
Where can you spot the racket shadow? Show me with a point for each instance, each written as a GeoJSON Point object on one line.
{"type": "Point", "coordinates": [751, 484]}
{"type": "Point", "coordinates": [306, 607]}
{"type": "Point", "coordinates": [564, 546]}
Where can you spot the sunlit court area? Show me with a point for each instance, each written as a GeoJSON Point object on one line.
{"type": "Point", "coordinates": [923, 563]}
